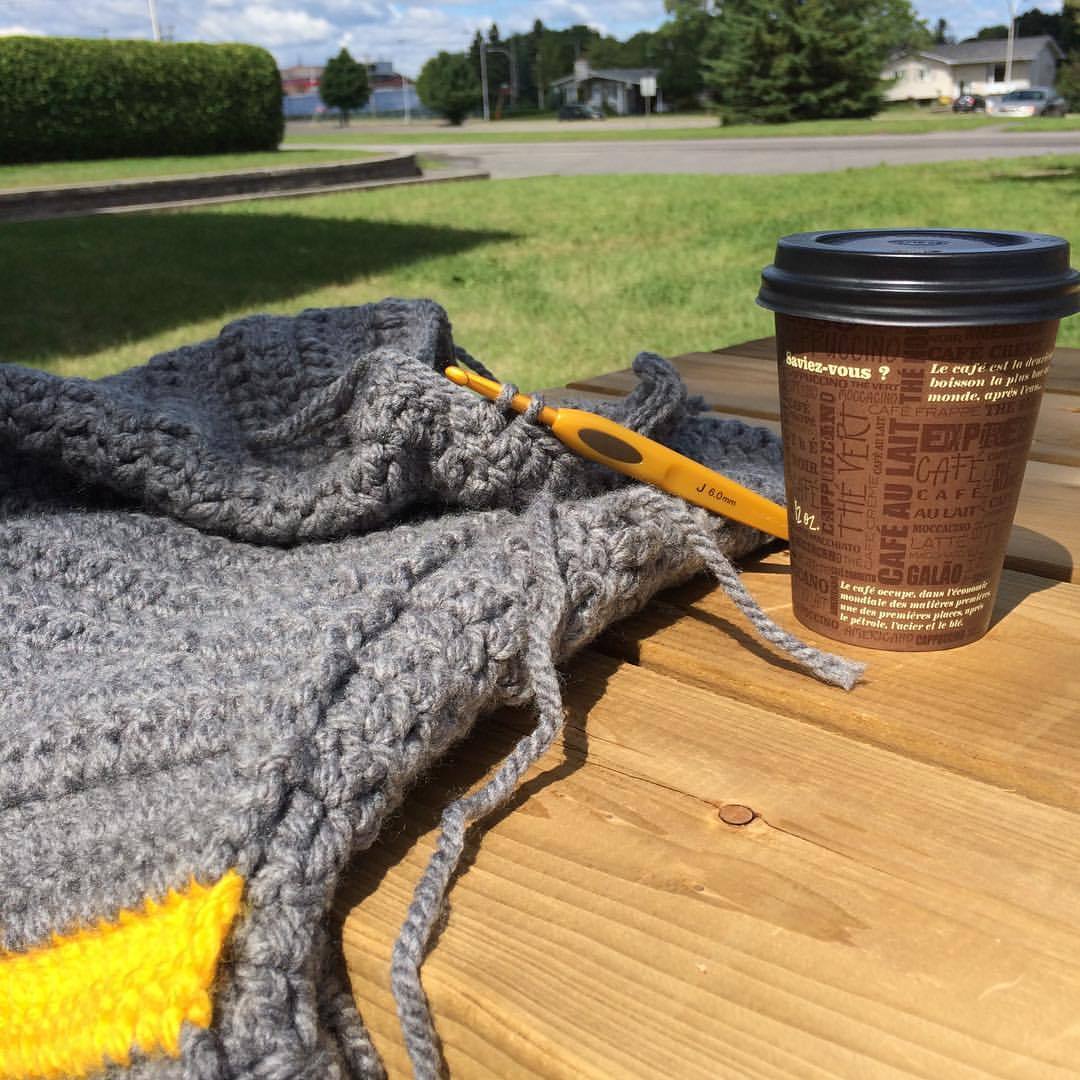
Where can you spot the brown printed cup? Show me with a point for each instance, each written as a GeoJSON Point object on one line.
{"type": "Point", "coordinates": [905, 441]}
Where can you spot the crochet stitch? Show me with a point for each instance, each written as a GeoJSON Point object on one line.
{"type": "Point", "coordinates": [236, 628]}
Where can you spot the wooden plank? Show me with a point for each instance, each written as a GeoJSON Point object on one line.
{"type": "Point", "coordinates": [760, 349]}
{"type": "Point", "coordinates": [879, 917]}
{"type": "Point", "coordinates": [1064, 376]}
{"type": "Point", "coordinates": [747, 386]}
{"type": "Point", "coordinates": [1003, 709]}
{"type": "Point", "coordinates": [1045, 537]}
{"type": "Point", "coordinates": [738, 384]}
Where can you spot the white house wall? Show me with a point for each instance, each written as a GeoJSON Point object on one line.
{"type": "Point", "coordinates": [924, 79]}
{"type": "Point", "coordinates": [979, 78]}
{"type": "Point", "coordinates": [919, 78]}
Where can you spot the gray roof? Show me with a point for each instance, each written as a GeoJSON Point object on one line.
{"type": "Point", "coordinates": [623, 75]}
{"type": "Point", "coordinates": [991, 52]}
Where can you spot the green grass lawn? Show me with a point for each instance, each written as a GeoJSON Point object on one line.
{"type": "Point", "coordinates": [900, 122]}
{"type": "Point", "coordinates": [74, 172]}
{"type": "Point", "coordinates": [545, 279]}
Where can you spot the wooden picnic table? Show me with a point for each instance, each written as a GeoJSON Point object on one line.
{"type": "Point", "coordinates": [904, 901]}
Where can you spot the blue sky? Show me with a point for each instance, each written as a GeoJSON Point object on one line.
{"type": "Point", "coordinates": [399, 30]}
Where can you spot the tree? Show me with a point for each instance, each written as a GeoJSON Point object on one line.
{"type": "Point", "coordinates": [534, 72]}
{"type": "Point", "coordinates": [1063, 27]}
{"type": "Point", "coordinates": [777, 60]}
{"type": "Point", "coordinates": [942, 35]}
{"type": "Point", "coordinates": [680, 45]}
{"type": "Point", "coordinates": [1068, 83]}
{"type": "Point", "coordinates": [448, 85]}
{"type": "Point", "coordinates": [344, 85]}
{"type": "Point", "coordinates": [498, 64]}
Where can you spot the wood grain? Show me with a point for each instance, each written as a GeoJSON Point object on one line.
{"type": "Point", "coordinates": [1045, 537]}
{"type": "Point", "coordinates": [1064, 373]}
{"type": "Point", "coordinates": [879, 917]}
{"type": "Point", "coordinates": [1003, 710]}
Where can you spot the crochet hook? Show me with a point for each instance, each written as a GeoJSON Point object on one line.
{"type": "Point", "coordinates": [600, 439]}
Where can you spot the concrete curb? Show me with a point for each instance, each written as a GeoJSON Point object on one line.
{"type": "Point", "coordinates": [203, 189]}
{"type": "Point", "coordinates": [442, 177]}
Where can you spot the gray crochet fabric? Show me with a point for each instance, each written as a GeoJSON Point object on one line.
{"type": "Point", "coordinates": [252, 590]}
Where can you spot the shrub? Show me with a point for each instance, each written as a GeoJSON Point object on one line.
{"type": "Point", "coordinates": [69, 99]}
{"type": "Point", "coordinates": [449, 86]}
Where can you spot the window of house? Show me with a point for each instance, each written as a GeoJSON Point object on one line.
{"type": "Point", "coordinates": [999, 73]}
{"type": "Point", "coordinates": [922, 73]}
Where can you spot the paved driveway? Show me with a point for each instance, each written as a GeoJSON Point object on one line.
{"type": "Point", "coordinates": [720, 156]}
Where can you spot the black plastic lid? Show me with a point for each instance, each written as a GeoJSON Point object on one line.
{"type": "Point", "coordinates": [922, 277]}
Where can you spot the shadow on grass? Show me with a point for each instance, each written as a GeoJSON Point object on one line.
{"type": "Point", "coordinates": [1049, 174]}
{"type": "Point", "coordinates": [79, 285]}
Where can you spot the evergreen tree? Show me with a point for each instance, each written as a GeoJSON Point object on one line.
{"type": "Point", "coordinates": [779, 60]}
{"type": "Point", "coordinates": [474, 52]}
{"type": "Point", "coordinates": [448, 85]}
{"type": "Point", "coordinates": [680, 45]}
{"type": "Point", "coordinates": [344, 85]}
{"type": "Point", "coordinates": [498, 65]}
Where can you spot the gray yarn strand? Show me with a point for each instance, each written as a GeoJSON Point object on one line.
{"type": "Point", "coordinates": [418, 1029]}
{"type": "Point", "coordinates": [827, 666]}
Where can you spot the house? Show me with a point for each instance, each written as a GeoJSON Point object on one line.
{"type": "Point", "coordinates": [618, 88]}
{"type": "Point", "coordinates": [300, 79]}
{"type": "Point", "coordinates": [973, 67]}
{"type": "Point", "coordinates": [391, 92]}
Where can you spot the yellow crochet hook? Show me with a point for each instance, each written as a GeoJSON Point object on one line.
{"type": "Point", "coordinates": [600, 439]}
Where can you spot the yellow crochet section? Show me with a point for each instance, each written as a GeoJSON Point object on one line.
{"type": "Point", "coordinates": [68, 1008]}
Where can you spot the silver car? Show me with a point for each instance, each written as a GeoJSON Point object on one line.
{"type": "Point", "coordinates": [1038, 101]}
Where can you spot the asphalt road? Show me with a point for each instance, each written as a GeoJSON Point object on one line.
{"type": "Point", "coordinates": [726, 156]}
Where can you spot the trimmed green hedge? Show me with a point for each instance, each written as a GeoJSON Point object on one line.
{"type": "Point", "coordinates": [70, 99]}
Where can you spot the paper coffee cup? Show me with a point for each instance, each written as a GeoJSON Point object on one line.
{"type": "Point", "coordinates": [912, 364]}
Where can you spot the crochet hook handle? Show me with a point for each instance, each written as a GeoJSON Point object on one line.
{"type": "Point", "coordinates": [600, 439]}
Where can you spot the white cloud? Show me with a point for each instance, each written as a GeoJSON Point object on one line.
{"type": "Point", "coordinates": [266, 25]}
{"type": "Point", "coordinates": [18, 31]}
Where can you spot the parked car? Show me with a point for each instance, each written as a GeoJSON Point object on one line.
{"type": "Point", "coordinates": [580, 112]}
{"type": "Point", "coordinates": [1038, 101]}
{"type": "Point", "coordinates": [969, 103]}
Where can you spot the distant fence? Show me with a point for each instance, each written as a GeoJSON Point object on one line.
{"type": "Point", "coordinates": [384, 101]}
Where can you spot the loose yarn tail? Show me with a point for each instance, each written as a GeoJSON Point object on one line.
{"type": "Point", "coordinates": [421, 1039]}
{"type": "Point", "coordinates": [827, 666]}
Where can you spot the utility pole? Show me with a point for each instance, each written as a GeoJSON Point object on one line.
{"type": "Point", "coordinates": [483, 79]}
{"type": "Point", "coordinates": [153, 20]}
{"type": "Point", "coordinates": [485, 48]}
{"type": "Point", "coordinates": [1009, 47]}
